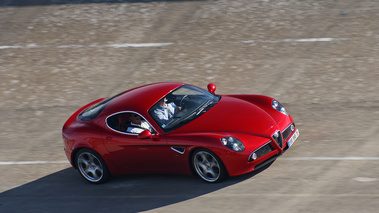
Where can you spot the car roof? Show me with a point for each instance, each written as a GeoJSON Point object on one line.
{"type": "Point", "coordinates": [141, 99]}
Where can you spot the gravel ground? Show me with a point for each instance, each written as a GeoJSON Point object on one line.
{"type": "Point", "coordinates": [319, 58]}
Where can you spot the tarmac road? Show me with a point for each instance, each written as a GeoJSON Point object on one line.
{"type": "Point", "coordinates": [319, 58]}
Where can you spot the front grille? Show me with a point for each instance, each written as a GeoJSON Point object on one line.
{"type": "Point", "coordinates": [288, 131]}
{"type": "Point", "coordinates": [278, 138]}
{"type": "Point", "coordinates": [265, 149]}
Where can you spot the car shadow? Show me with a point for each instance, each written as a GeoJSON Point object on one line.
{"type": "Point", "coordinates": [26, 3]}
{"type": "Point", "coordinates": [66, 191]}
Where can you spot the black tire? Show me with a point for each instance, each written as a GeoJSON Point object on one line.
{"type": "Point", "coordinates": [91, 166]}
{"type": "Point", "coordinates": [208, 166]}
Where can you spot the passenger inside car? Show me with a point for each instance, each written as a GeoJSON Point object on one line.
{"type": "Point", "coordinates": [137, 124]}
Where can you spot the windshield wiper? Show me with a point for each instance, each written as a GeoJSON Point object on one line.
{"type": "Point", "coordinates": [203, 107]}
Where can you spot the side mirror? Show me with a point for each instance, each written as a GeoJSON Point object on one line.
{"type": "Point", "coordinates": [145, 134]}
{"type": "Point", "coordinates": [212, 88]}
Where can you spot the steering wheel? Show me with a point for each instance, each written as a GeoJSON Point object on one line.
{"type": "Point", "coordinates": [182, 100]}
{"type": "Point", "coordinates": [179, 113]}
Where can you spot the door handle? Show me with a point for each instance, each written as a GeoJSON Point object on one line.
{"type": "Point", "coordinates": [108, 138]}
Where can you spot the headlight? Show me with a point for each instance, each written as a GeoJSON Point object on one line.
{"type": "Point", "coordinates": [233, 144]}
{"type": "Point", "coordinates": [278, 106]}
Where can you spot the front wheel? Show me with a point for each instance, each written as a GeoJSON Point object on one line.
{"type": "Point", "coordinates": [208, 166]}
{"type": "Point", "coordinates": [91, 166]}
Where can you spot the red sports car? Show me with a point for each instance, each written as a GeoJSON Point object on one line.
{"type": "Point", "coordinates": [177, 128]}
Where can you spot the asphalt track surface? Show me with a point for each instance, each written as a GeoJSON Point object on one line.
{"type": "Point", "coordinates": [319, 58]}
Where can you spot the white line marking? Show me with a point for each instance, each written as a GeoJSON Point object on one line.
{"type": "Point", "coordinates": [146, 45]}
{"type": "Point", "coordinates": [365, 179]}
{"type": "Point", "coordinates": [329, 158]}
{"type": "Point", "coordinates": [138, 45]}
{"type": "Point", "coordinates": [315, 40]}
{"type": "Point", "coordinates": [31, 162]}
{"type": "Point", "coordinates": [292, 195]}
{"type": "Point", "coordinates": [301, 40]}
{"type": "Point", "coordinates": [69, 46]}
{"type": "Point", "coordinates": [10, 47]}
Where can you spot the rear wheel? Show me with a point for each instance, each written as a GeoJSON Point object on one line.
{"type": "Point", "coordinates": [91, 166]}
{"type": "Point", "coordinates": [208, 166]}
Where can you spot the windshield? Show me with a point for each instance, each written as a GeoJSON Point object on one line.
{"type": "Point", "coordinates": [182, 106]}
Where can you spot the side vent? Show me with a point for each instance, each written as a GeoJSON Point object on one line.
{"type": "Point", "coordinates": [179, 150]}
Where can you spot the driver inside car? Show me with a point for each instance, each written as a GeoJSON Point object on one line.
{"type": "Point", "coordinates": [164, 112]}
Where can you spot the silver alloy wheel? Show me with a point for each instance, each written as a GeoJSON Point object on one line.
{"type": "Point", "coordinates": [90, 167]}
{"type": "Point", "coordinates": [207, 166]}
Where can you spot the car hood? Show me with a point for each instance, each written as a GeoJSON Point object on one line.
{"type": "Point", "coordinates": [231, 114]}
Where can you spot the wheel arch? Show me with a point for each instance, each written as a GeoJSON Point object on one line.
{"type": "Point", "coordinates": [75, 153]}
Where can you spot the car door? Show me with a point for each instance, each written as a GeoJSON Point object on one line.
{"type": "Point", "coordinates": [139, 155]}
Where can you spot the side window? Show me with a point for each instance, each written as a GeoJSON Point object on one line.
{"type": "Point", "coordinates": [129, 122]}
{"type": "Point", "coordinates": [119, 122]}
